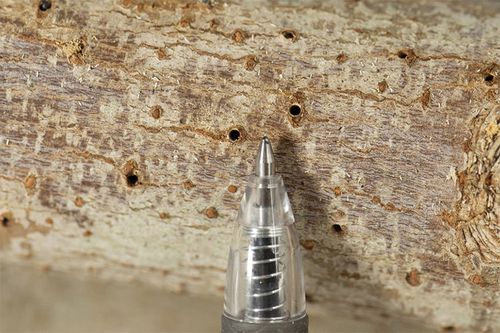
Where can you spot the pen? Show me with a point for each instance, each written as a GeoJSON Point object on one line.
{"type": "Point", "coordinates": [265, 285]}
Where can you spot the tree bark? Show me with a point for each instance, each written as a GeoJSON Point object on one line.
{"type": "Point", "coordinates": [128, 129]}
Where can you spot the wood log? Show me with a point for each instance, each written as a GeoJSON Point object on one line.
{"type": "Point", "coordinates": [128, 130]}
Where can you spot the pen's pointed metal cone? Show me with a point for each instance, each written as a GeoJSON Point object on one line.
{"type": "Point", "coordinates": [265, 159]}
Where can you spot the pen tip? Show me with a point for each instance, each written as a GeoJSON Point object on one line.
{"type": "Point", "coordinates": [265, 159]}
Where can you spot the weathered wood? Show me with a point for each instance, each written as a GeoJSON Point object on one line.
{"type": "Point", "coordinates": [116, 158]}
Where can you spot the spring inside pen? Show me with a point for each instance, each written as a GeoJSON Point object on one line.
{"type": "Point", "coordinates": [265, 292]}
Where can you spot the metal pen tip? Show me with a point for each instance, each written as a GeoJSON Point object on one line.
{"type": "Point", "coordinates": [265, 159]}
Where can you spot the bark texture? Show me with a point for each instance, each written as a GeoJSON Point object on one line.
{"type": "Point", "coordinates": [128, 129]}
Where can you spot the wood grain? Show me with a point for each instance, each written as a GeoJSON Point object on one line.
{"type": "Point", "coordinates": [116, 158]}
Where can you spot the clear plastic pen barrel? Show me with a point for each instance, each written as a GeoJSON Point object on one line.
{"type": "Point", "coordinates": [265, 277]}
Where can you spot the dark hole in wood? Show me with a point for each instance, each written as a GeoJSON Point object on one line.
{"type": "Point", "coordinates": [402, 54]}
{"type": "Point", "coordinates": [5, 221]}
{"type": "Point", "coordinates": [288, 34]}
{"type": "Point", "coordinates": [234, 135]}
{"type": "Point", "coordinates": [337, 228]}
{"type": "Point", "coordinates": [132, 179]}
{"type": "Point", "coordinates": [45, 5]}
{"type": "Point", "coordinates": [489, 78]}
{"type": "Point", "coordinates": [295, 110]}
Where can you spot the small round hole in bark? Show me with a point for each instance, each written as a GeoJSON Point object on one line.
{"type": "Point", "coordinates": [402, 54]}
{"type": "Point", "coordinates": [156, 112]}
{"type": "Point", "coordinates": [295, 110]}
{"type": "Point", "coordinates": [211, 212]}
{"type": "Point", "coordinates": [44, 5]}
{"type": "Point", "coordinates": [337, 228]}
{"type": "Point", "coordinates": [5, 221]}
{"type": "Point", "coordinates": [489, 78]}
{"type": "Point", "coordinates": [310, 298]}
{"type": "Point", "coordinates": [289, 34]}
{"type": "Point", "coordinates": [239, 36]}
{"type": "Point", "coordinates": [234, 135]}
{"type": "Point", "coordinates": [132, 179]}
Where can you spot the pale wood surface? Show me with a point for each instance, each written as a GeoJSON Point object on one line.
{"type": "Point", "coordinates": [397, 144]}
{"type": "Point", "coordinates": [37, 301]}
